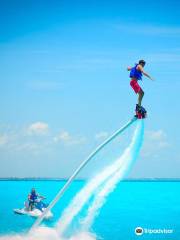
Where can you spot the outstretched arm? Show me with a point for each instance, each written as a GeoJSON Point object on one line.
{"type": "Point", "coordinates": [40, 196]}
{"type": "Point", "coordinates": [140, 68]}
{"type": "Point", "coordinates": [147, 75]}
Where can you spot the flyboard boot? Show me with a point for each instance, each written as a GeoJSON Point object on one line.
{"type": "Point", "coordinates": [140, 112]}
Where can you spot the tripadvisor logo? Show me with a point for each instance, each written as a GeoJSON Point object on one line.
{"type": "Point", "coordinates": [139, 231]}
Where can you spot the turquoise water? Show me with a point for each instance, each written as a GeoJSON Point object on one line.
{"type": "Point", "coordinates": [150, 205]}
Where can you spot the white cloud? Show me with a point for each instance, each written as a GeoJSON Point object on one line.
{"type": "Point", "coordinates": [22, 139]}
{"type": "Point", "coordinates": [4, 139]}
{"type": "Point", "coordinates": [156, 135]}
{"type": "Point", "coordinates": [63, 136]}
{"type": "Point", "coordinates": [101, 135]}
{"type": "Point", "coordinates": [38, 128]}
{"type": "Point", "coordinates": [33, 148]}
{"type": "Point", "coordinates": [36, 139]}
{"type": "Point", "coordinates": [20, 143]}
{"type": "Point", "coordinates": [66, 138]}
{"type": "Point", "coordinates": [155, 141]}
{"type": "Point", "coordinates": [27, 146]}
{"type": "Point", "coordinates": [8, 139]}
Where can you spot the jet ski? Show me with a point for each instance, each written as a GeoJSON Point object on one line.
{"type": "Point", "coordinates": [38, 209]}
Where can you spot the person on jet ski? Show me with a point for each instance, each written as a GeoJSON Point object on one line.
{"type": "Point", "coordinates": [32, 198]}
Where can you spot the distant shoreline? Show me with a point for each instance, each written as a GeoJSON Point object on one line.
{"type": "Point", "coordinates": [80, 179]}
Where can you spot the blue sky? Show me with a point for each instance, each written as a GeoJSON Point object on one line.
{"type": "Point", "coordinates": [65, 88]}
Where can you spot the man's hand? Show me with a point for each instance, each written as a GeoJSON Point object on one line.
{"type": "Point", "coordinates": [147, 75]}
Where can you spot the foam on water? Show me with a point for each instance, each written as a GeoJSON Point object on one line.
{"type": "Point", "coordinates": [45, 233]}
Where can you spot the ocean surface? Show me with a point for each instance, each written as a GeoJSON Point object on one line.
{"type": "Point", "coordinates": [152, 205]}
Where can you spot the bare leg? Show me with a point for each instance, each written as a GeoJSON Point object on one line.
{"type": "Point", "coordinates": [140, 97]}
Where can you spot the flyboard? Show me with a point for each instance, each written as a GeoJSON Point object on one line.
{"type": "Point", "coordinates": [140, 112]}
{"type": "Point", "coordinates": [82, 165]}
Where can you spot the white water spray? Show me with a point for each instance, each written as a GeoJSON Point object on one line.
{"type": "Point", "coordinates": [105, 182]}
{"type": "Point", "coordinates": [128, 158]}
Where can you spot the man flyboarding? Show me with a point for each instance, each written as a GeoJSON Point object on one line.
{"type": "Point", "coordinates": [136, 74]}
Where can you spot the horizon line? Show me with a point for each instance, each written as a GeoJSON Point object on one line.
{"type": "Point", "coordinates": [81, 179]}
